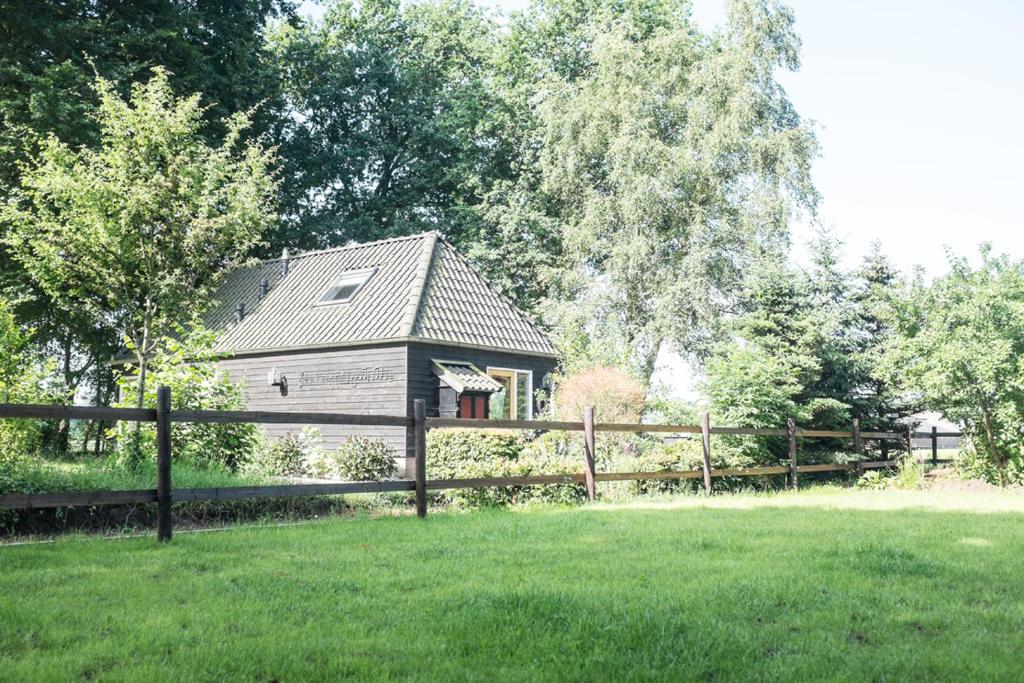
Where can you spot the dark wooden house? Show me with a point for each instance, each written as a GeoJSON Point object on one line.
{"type": "Point", "coordinates": [368, 328]}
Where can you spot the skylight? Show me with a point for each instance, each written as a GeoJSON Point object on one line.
{"type": "Point", "coordinates": [347, 286]}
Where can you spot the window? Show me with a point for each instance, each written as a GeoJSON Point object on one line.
{"type": "Point", "coordinates": [513, 402]}
{"type": "Point", "coordinates": [347, 286]}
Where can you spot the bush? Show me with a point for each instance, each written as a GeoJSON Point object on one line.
{"type": "Point", "coordinates": [616, 396]}
{"type": "Point", "coordinates": [552, 453]}
{"type": "Point", "coordinates": [22, 380]}
{"type": "Point", "coordinates": [288, 456]}
{"type": "Point", "coordinates": [465, 453]}
{"type": "Point", "coordinates": [187, 364]}
{"type": "Point", "coordinates": [358, 459]}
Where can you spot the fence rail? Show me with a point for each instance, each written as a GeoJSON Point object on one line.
{"type": "Point", "coordinates": [164, 495]}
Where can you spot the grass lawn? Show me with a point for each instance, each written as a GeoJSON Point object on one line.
{"type": "Point", "coordinates": [824, 584]}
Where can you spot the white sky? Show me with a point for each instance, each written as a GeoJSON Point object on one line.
{"type": "Point", "coordinates": [918, 107]}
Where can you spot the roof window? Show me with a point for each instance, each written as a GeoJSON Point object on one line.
{"type": "Point", "coordinates": [347, 286]}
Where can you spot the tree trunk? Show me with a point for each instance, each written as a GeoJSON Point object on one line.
{"type": "Point", "coordinates": [64, 428]}
{"type": "Point", "coordinates": [140, 402]}
{"type": "Point", "coordinates": [986, 421]}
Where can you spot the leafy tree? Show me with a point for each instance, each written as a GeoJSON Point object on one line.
{"type": "Point", "coordinates": [388, 120]}
{"type": "Point", "coordinates": [52, 51]}
{"type": "Point", "coordinates": [136, 232]}
{"type": "Point", "coordinates": [675, 160]}
{"type": "Point", "coordinates": [961, 349]}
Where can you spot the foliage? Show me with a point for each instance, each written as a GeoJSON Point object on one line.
{"type": "Point", "coordinates": [873, 480]}
{"type": "Point", "coordinates": [22, 380]}
{"type": "Point", "coordinates": [615, 396]}
{"type": "Point", "coordinates": [465, 453]}
{"type": "Point", "coordinates": [908, 475]}
{"type": "Point", "coordinates": [673, 160]}
{"type": "Point", "coordinates": [389, 120]}
{"type": "Point", "coordinates": [808, 346]}
{"type": "Point", "coordinates": [358, 459]}
{"type": "Point", "coordinates": [187, 364]}
{"type": "Point", "coordinates": [137, 231]}
{"type": "Point", "coordinates": [289, 455]}
{"type": "Point", "coordinates": [552, 453]}
{"type": "Point", "coordinates": [52, 52]}
{"type": "Point", "coordinates": [961, 348]}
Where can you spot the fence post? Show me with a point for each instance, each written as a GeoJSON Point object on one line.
{"type": "Point", "coordinates": [419, 418]}
{"type": "Point", "coordinates": [705, 433]}
{"type": "Point", "coordinates": [791, 434]}
{"type": "Point", "coordinates": [163, 464]}
{"type": "Point", "coordinates": [910, 441]}
{"type": "Point", "coordinates": [590, 473]}
{"type": "Point", "coordinates": [858, 446]}
{"type": "Point", "coordinates": [935, 446]}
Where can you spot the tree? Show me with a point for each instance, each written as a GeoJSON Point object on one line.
{"type": "Point", "coordinates": [675, 160]}
{"type": "Point", "coordinates": [52, 50]}
{"type": "Point", "coordinates": [388, 131]}
{"type": "Point", "coordinates": [137, 232]}
{"type": "Point", "coordinates": [880, 403]}
{"type": "Point", "coordinates": [961, 349]}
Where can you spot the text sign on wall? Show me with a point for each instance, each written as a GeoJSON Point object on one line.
{"type": "Point", "coordinates": [376, 375]}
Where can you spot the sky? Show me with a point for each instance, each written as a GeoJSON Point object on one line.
{"type": "Point", "coordinates": [918, 108]}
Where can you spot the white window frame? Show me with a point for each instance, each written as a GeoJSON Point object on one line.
{"type": "Point", "coordinates": [529, 385]}
{"type": "Point", "coordinates": [366, 274]}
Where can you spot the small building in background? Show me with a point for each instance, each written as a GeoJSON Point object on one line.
{"type": "Point", "coordinates": [368, 328]}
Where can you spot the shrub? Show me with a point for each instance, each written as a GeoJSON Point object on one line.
{"type": "Point", "coordinates": [552, 453]}
{"type": "Point", "coordinates": [187, 364]}
{"type": "Point", "coordinates": [616, 396]}
{"type": "Point", "coordinates": [22, 379]}
{"type": "Point", "coordinates": [464, 453]}
{"type": "Point", "coordinates": [288, 456]}
{"type": "Point", "coordinates": [358, 459]}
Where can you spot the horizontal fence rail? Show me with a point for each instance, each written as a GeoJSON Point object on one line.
{"type": "Point", "coordinates": [164, 495]}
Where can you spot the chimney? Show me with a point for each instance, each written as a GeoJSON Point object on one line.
{"type": "Point", "coordinates": [264, 288]}
{"type": "Point", "coordinates": [239, 312]}
{"type": "Point", "coordinates": [284, 262]}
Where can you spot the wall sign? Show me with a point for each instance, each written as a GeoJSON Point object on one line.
{"type": "Point", "coordinates": [375, 375]}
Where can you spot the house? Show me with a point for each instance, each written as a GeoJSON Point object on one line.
{"type": "Point", "coordinates": [368, 328]}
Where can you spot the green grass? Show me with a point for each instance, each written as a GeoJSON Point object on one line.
{"type": "Point", "coordinates": [98, 474]}
{"type": "Point", "coordinates": [822, 585]}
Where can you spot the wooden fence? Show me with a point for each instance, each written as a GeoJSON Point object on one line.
{"type": "Point", "coordinates": [164, 494]}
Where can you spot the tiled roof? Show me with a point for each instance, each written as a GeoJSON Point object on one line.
{"type": "Point", "coordinates": [463, 377]}
{"type": "Point", "coordinates": [422, 289]}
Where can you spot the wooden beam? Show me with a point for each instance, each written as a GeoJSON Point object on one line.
{"type": "Point", "coordinates": [164, 496]}
{"type": "Point", "coordinates": [791, 435]}
{"type": "Point", "coordinates": [485, 482]}
{"type": "Point", "coordinates": [45, 412]}
{"type": "Point", "coordinates": [705, 430]}
{"type": "Point", "coordinates": [290, 490]}
{"type": "Point", "coordinates": [32, 501]}
{"type": "Point", "coordinates": [420, 451]}
{"type": "Point", "coordinates": [279, 417]}
{"type": "Point", "coordinates": [537, 425]}
{"type": "Point", "coordinates": [589, 452]}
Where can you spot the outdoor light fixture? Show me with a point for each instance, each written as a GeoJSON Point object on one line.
{"type": "Point", "coordinates": [277, 379]}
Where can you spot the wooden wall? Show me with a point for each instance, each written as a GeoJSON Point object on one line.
{"type": "Point", "coordinates": [317, 395]}
{"type": "Point", "coordinates": [424, 384]}
{"type": "Point", "coordinates": [409, 368]}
